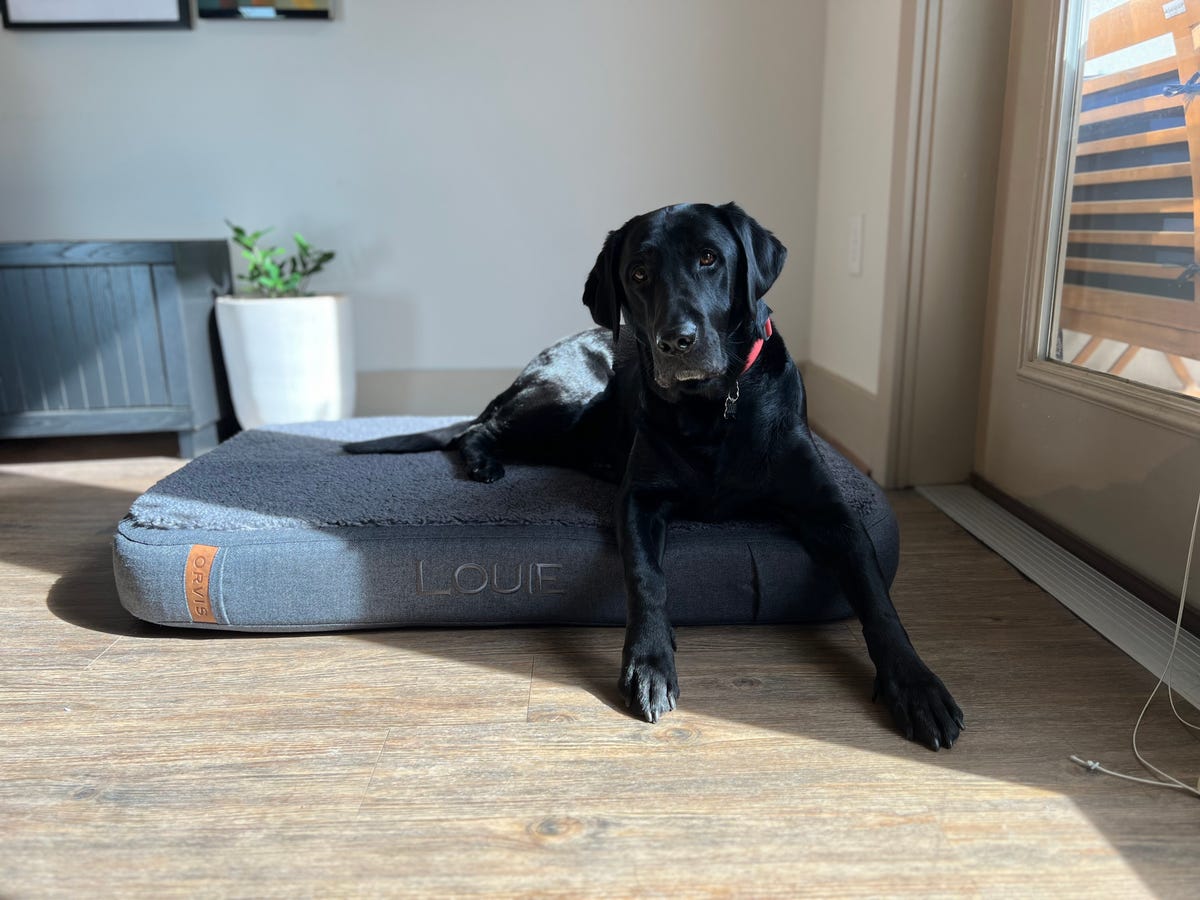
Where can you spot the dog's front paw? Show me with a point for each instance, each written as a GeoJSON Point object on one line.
{"type": "Point", "coordinates": [486, 470]}
{"type": "Point", "coordinates": [920, 705]}
{"type": "Point", "coordinates": [649, 683]}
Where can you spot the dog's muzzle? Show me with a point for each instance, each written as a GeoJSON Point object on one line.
{"type": "Point", "coordinates": [688, 374]}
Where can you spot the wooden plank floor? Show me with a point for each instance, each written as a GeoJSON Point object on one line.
{"type": "Point", "coordinates": [142, 761]}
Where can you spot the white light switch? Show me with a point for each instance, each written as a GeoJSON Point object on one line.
{"type": "Point", "coordinates": [854, 249]}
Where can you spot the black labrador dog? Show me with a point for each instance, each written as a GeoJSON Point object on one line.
{"type": "Point", "coordinates": [696, 409]}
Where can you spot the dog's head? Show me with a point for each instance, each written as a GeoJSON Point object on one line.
{"type": "Point", "coordinates": [689, 280]}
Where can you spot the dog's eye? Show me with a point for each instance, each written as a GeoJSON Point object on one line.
{"type": "Point", "coordinates": [707, 257]}
{"type": "Point", "coordinates": [639, 274]}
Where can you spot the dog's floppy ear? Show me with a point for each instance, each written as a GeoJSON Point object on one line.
{"type": "Point", "coordinates": [603, 294]}
{"type": "Point", "coordinates": [761, 260]}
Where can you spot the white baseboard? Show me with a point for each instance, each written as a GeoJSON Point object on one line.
{"type": "Point", "coordinates": [1141, 632]}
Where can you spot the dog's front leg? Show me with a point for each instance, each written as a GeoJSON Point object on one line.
{"type": "Point", "coordinates": [648, 680]}
{"type": "Point", "coordinates": [812, 501]}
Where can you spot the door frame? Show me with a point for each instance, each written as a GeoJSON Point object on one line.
{"type": "Point", "coordinates": [940, 238]}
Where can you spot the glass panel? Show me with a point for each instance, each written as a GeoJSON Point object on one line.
{"type": "Point", "coordinates": [1127, 294]}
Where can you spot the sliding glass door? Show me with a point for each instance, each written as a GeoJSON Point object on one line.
{"type": "Point", "coordinates": [1090, 409]}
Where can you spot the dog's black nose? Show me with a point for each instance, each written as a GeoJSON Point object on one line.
{"type": "Point", "coordinates": [677, 340]}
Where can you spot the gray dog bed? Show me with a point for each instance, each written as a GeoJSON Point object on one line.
{"type": "Point", "coordinates": [279, 530]}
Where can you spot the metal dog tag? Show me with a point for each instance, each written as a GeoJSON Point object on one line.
{"type": "Point", "coordinates": [731, 400]}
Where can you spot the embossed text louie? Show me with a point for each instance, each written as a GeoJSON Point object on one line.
{"type": "Point", "coordinates": [474, 578]}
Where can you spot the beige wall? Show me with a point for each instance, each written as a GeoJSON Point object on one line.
{"type": "Point", "coordinates": [864, 168]}
{"type": "Point", "coordinates": [858, 113]}
{"type": "Point", "coordinates": [465, 159]}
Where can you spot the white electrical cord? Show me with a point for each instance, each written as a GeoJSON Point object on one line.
{"type": "Point", "coordinates": [1163, 779]}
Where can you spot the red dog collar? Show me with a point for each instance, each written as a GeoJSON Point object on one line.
{"type": "Point", "coordinates": [735, 392]}
{"type": "Point", "coordinates": [757, 348]}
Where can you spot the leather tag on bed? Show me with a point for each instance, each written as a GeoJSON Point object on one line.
{"type": "Point", "coordinates": [199, 567]}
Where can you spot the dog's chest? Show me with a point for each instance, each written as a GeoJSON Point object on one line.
{"type": "Point", "coordinates": [720, 481]}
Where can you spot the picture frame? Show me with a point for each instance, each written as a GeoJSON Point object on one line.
{"type": "Point", "coordinates": [265, 10]}
{"type": "Point", "coordinates": [62, 14]}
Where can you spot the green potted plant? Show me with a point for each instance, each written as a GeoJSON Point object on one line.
{"type": "Point", "coordinates": [289, 353]}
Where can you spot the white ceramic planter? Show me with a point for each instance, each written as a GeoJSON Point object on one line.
{"type": "Point", "coordinates": [289, 359]}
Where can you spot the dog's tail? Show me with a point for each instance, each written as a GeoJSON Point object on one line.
{"type": "Point", "coordinates": [437, 439]}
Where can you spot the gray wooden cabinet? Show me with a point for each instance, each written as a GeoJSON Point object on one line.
{"type": "Point", "coordinates": [110, 338]}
